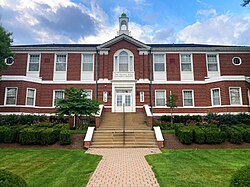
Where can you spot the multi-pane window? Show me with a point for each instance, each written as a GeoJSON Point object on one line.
{"type": "Point", "coordinates": [188, 98]}
{"type": "Point", "coordinates": [30, 97]}
{"type": "Point", "coordinates": [141, 96]}
{"type": "Point", "coordinates": [11, 96]}
{"type": "Point", "coordinates": [58, 94]}
{"type": "Point", "coordinates": [88, 94]}
{"type": "Point", "coordinates": [159, 62]}
{"type": "Point", "coordinates": [160, 98]}
{"type": "Point", "coordinates": [61, 62]}
{"type": "Point", "coordinates": [186, 62]}
{"type": "Point", "coordinates": [87, 62]}
{"type": "Point", "coordinates": [235, 96]}
{"type": "Point", "coordinates": [212, 62]}
{"type": "Point", "coordinates": [124, 62]}
{"type": "Point", "coordinates": [34, 62]}
{"type": "Point", "coordinates": [215, 96]}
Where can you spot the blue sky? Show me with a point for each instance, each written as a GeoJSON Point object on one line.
{"type": "Point", "coordinates": [96, 21]}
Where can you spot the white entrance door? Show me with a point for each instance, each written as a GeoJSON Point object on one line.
{"type": "Point", "coordinates": [123, 98]}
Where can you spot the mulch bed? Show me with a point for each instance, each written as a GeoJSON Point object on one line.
{"type": "Point", "coordinates": [172, 142]}
{"type": "Point", "coordinates": [77, 140]}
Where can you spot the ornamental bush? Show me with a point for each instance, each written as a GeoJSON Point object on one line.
{"type": "Point", "coordinates": [234, 135]}
{"type": "Point", "coordinates": [199, 135]}
{"type": "Point", "coordinates": [48, 136]}
{"type": "Point", "coordinates": [30, 136]}
{"type": "Point", "coordinates": [246, 136]}
{"type": "Point", "coordinates": [7, 134]}
{"type": "Point", "coordinates": [9, 179]}
{"type": "Point", "coordinates": [65, 137]}
{"type": "Point", "coordinates": [185, 135]}
{"type": "Point", "coordinates": [214, 136]}
{"type": "Point", "coordinates": [12, 120]}
{"type": "Point", "coordinates": [241, 178]}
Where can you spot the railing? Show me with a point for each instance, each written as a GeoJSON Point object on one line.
{"type": "Point", "coordinates": [123, 123]}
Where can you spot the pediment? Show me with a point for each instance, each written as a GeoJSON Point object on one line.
{"type": "Point", "coordinates": [126, 38]}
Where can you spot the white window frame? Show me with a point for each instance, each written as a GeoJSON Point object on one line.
{"type": "Point", "coordinates": [160, 73]}
{"type": "Point", "coordinates": [5, 96]}
{"type": "Point", "coordinates": [117, 61]}
{"type": "Point", "coordinates": [26, 102]}
{"type": "Point", "coordinates": [191, 62]}
{"type": "Point", "coordinates": [54, 94]}
{"type": "Point", "coordinates": [55, 62]}
{"type": "Point", "coordinates": [212, 97]}
{"type": "Point", "coordinates": [164, 98]}
{"type": "Point", "coordinates": [238, 58]}
{"type": "Point", "coordinates": [105, 97]}
{"type": "Point", "coordinates": [213, 73]}
{"type": "Point", "coordinates": [239, 93]}
{"type": "Point", "coordinates": [87, 75]}
{"type": "Point", "coordinates": [248, 94]}
{"type": "Point", "coordinates": [142, 97]}
{"type": "Point", "coordinates": [91, 93]}
{"type": "Point", "coordinates": [39, 62]}
{"type": "Point", "coordinates": [187, 75]}
{"type": "Point", "coordinates": [184, 97]}
{"type": "Point", "coordinates": [93, 61]}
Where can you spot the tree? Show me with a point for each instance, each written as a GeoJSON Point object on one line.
{"type": "Point", "coordinates": [245, 3]}
{"type": "Point", "coordinates": [5, 41]}
{"type": "Point", "coordinates": [171, 103]}
{"type": "Point", "coordinates": [76, 103]}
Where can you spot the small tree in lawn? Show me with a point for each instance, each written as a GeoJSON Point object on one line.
{"type": "Point", "coordinates": [171, 103]}
{"type": "Point", "coordinates": [77, 103]}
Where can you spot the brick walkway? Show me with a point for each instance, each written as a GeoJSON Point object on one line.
{"type": "Point", "coordinates": [123, 167]}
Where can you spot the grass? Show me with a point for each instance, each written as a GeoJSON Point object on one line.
{"type": "Point", "coordinates": [78, 131]}
{"type": "Point", "coordinates": [197, 167]}
{"type": "Point", "coordinates": [50, 167]}
{"type": "Point", "coordinates": [170, 131]}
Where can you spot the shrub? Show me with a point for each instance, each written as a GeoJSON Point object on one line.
{"type": "Point", "coordinates": [185, 135]}
{"type": "Point", "coordinates": [30, 136]}
{"type": "Point", "coordinates": [234, 136]}
{"type": "Point", "coordinates": [65, 137]}
{"type": "Point", "coordinates": [8, 179]}
{"type": "Point", "coordinates": [10, 135]}
{"type": "Point", "coordinates": [199, 135]}
{"type": "Point", "coordinates": [241, 178]}
{"type": "Point", "coordinates": [48, 136]}
{"type": "Point", "coordinates": [12, 120]}
{"type": "Point", "coordinates": [246, 136]}
{"type": "Point", "coordinates": [163, 126]}
{"type": "Point", "coordinates": [214, 136]}
{"type": "Point", "coordinates": [177, 127]}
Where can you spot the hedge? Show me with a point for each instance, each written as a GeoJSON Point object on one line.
{"type": "Point", "coordinates": [199, 136]}
{"type": "Point", "coordinates": [185, 135]}
{"type": "Point", "coordinates": [12, 120]}
{"type": "Point", "coordinates": [214, 136]}
{"type": "Point", "coordinates": [7, 134]}
{"type": "Point", "coordinates": [9, 179]}
{"type": "Point", "coordinates": [48, 136]}
{"type": "Point", "coordinates": [65, 138]}
{"type": "Point", "coordinates": [30, 136]}
{"type": "Point", "coordinates": [241, 178]}
{"type": "Point", "coordinates": [234, 135]}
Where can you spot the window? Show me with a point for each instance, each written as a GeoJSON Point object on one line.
{"type": "Point", "coordinates": [88, 94]}
{"type": "Point", "coordinates": [212, 63]}
{"type": "Point", "coordinates": [124, 62]}
{"type": "Point", "coordinates": [61, 62]}
{"type": "Point", "coordinates": [215, 96]}
{"type": "Point", "coordinates": [159, 62]}
{"type": "Point", "coordinates": [160, 98]}
{"type": "Point", "coordinates": [236, 61]}
{"type": "Point", "coordinates": [248, 94]}
{"type": "Point", "coordinates": [10, 96]}
{"type": "Point", "coordinates": [34, 62]}
{"type": "Point", "coordinates": [188, 98]}
{"type": "Point", "coordinates": [186, 62]}
{"type": "Point", "coordinates": [105, 97]}
{"type": "Point", "coordinates": [235, 96]}
{"type": "Point", "coordinates": [141, 97]}
{"type": "Point", "coordinates": [58, 94]}
{"type": "Point", "coordinates": [87, 62]}
{"type": "Point", "coordinates": [30, 97]}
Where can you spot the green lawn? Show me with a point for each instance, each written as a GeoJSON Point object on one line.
{"type": "Point", "coordinates": [50, 167]}
{"type": "Point", "coordinates": [197, 167]}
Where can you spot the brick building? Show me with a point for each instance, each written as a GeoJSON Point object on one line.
{"type": "Point", "coordinates": [205, 78]}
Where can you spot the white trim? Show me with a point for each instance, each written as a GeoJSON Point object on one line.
{"type": "Point", "coordinates": [37, 74]}
{"type": "Point", "coordinates": [193, 105]}
{"type": "Point", "coordinates": [89, 134]}
{"type": "Point", "coordinates": [163, 73]}
{"type": "Point", "coordinates": [164, 98]}
{"type": "Point", "coordinates": [64, 73]}
{"type": "Point", "coordinates": [188, 73]}
{"type": "Point", "coordinates": [130, 54]}
{"type": "Point", "coordinates": [91, 73]}
{"type": "Point", "coordinates": [192, 114]}
{"type": "Point", "coordinates": [218, 65]}
{"type": "Point", "coordinates": [206, 107]}
{"type": "Point", "coordinates": [141, 97]}
{"type": "Point", "coordinates": [248, 95]}
{"type": "Point", "coordinates": [5, 96]}
{"type": "Point", "coordinates": [212, 98]}
{"type": "Point", "coordinates": [239, 93]}
{"type": "Point", "coordinates": [158, 134]}
{"type": "Point", "coordinates": [91, 93]}
{"type": "Point", "coordinates": [54, 94]}
{"type": "Point", "coordinates": [34, 104]}
{"type": "Point", "coordinates": [238, 58]}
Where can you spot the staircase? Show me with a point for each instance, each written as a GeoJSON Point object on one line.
{"type": "Point", "coordinates": [110, 132]}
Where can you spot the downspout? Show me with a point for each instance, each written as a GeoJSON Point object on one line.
{"type": "Point", "coordinates": [96, 75]}
{"type": "Point", "coordinates": [150, 77]}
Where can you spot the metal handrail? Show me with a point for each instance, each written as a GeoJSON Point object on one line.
{"type": "Point", "coordinates": [123, 121]}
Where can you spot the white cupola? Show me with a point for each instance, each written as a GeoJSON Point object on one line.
{"type": "Point", "coordinates": [123, 25]}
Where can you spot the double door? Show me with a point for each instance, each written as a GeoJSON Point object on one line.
{"type": "Point", "coordinates": [123, 101]}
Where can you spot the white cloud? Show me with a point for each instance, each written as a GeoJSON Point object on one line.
{"type": "Point", "coordinates": [207, 12]}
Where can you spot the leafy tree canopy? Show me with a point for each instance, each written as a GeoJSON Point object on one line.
{"type": "Point", "coordinates": [5, 41]}
{"type": "Point", "coordinates": [245, 3]}
{"type": "Point", "coordinates": [77, 103]}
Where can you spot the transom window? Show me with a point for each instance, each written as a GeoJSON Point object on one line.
{"type": "Point", "coordinates": [212, 63]}
{"type": "Point", "coordinates": [186, 62]}
{"type": "Point", "coordinates": [61, 62]}
{"type": "Point", "coordinates": [215, 96]}
{"type": "Point", "coordinates": [160, 98]}
{"type": "Point", "coordinates": [34, 62]}
{"type": "Point", "coordinates": [87, 62]}
{"type": "Point", "coordinates": [30, 97]}
{"type": "Point", "coordinates": [188, 98]}
{"type": "Point", "coordinates": [11, 96]}
{"type": "Point", "coordinates": [235, 96]}
{"type": "Point", "coordinates": [58, 94]}
{"type": "Point", "coordinates": [124, 61]}
{"type": "Point", "coordinates": [159, 62]}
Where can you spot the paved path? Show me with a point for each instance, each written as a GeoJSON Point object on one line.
{"type": "Point", "coordinates": [123, 167]}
